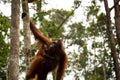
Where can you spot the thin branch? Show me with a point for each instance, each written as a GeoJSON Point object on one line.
{"type": "Point", "coordinates": [114, 5]}
{"type": "Point", "coordinates": [64, 21]}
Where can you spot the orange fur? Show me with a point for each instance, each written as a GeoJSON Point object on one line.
{"type": "Point", "coordinates": [51, 56]}
{"type": "Point", "coordinates": [36, 77]}
{"type": "Point", "coordinates": [38, 35]}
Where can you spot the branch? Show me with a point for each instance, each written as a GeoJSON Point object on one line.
{"type": "Point", "coordinates": [66, 19]}
{"type": "Point", "coordinates": [63, 22]}
{"type": "Point", "coordinates": [114, 5]}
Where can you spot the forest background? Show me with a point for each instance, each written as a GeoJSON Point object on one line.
{"type": "Point", "coordinates": [90, 30]}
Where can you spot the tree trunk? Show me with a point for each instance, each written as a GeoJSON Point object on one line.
{"type": "Point", "coordinates": [13, 64]}
{"type": "Point", "coordinates": [117, 19]}
{"type": "Point", "coordinates": [27, 32]}
{"type": "Point", "coordinates": [94, 62]}
{"type": "Point", "coordinates": [112, 41]}
{"type": "Point", "coordinates": [103, 67]}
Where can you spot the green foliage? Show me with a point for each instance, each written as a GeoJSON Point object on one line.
{"type": "Point", "coordinates": [89, 75]}
{"type": "Point", "coordinates": [50, 22]}
{"type": "Point", "coordinates": [93, 9]}
{"type": "Point", "coordinates": [51, 30]}
{"type": "Point", "coordinates": [77, 33]}
{"type": "Point", "coordinates": [93, 46]}
{"type": "Point", "coordinates": [4, 45]}
{"type": "Point", "coordinates": [101, 19]}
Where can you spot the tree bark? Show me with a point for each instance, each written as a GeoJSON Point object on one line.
{"type": "Point", "coordinates": [13, 64]}
{"type": "Point", "coordinates": [103, 67]}
{"type": "Point", "coordinates": [27, 32]}
{"type": "Point", "coordinates": [112, 41]}
{"type": "Point", "coordinates": [117, 20]}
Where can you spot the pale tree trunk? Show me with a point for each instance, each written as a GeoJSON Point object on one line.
{"type": "Point", "coordinates": [103, 66]}
{"type": "Point", "coordinates": [27, 32]}
{"type": "Point", "coordinates": [95, 72]}
{"type": "Point", "coordinates": [13, 62]}
{"type": "Point", "coordinates": [112, 41]}
{"type": "Point", "coordinates": [103, 62]}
